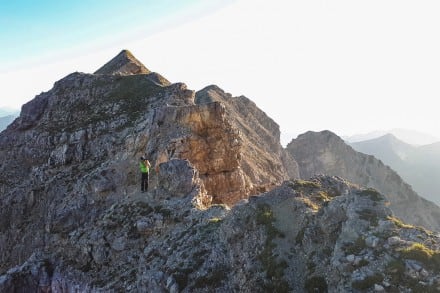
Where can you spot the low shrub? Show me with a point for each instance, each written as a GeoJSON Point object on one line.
{"type": "Point", "coordinates": [316, 284]}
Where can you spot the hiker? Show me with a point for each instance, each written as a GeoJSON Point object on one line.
{"type": "Point", "coordinates": [144, 165]}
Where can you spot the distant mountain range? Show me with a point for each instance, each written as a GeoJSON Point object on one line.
{"type": "Point", "coordinates": [7, 116]}
{"type": "Point", "coordinates": [418, 165]}
{"type": "Point", "coordinates": [4, 111]}
{"type": "Point", "coordinates": [409, 136]}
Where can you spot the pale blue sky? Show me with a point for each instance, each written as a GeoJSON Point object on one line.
{"type": "Point", "coordinates": [349, 66]}
{"type": "Point", "coordinates": [32, 30]}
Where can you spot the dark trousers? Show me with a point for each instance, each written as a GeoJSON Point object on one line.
{"type": "Point", "coordinates": [144, 182]}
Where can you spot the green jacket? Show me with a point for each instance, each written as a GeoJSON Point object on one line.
{"type": "Point", "coordinates": [144, 168]}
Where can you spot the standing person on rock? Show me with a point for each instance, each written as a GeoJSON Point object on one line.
{"type": "Point", "coordinates": [144, 165]}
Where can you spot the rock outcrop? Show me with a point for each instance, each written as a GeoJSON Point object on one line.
{"type": "Point", "coordinates": [322, 235]}
{"type": "Point", "coordinates": [74, 151]}
{"type": "Point", "coordinates": [326, 153]}
{"type": "Point", "coordinates": [263, 162]}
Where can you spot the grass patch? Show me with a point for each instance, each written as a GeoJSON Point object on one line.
{"type": "Point", "coordinates": [274, 268]}
{"type": "Point", "coordinates": [166, 213]}
{"type": "Point", "coordinates": [265, 217]}
{"type": "Point", "coordinates": [368, 282]}
{"type": "Point", "coordinates": [215, 220]}
{"type": "Point", "coordinates": [419, 252]}
{"type": "Point", "coordinates": [300, 236]}
{"type": "Point", "coordinates": [369, 216]}
{"type": "Point", "coordinates": [316, 284]}
{"type": "Point", "coordinates": [181, 278]}
{"type": "Point", "coordinates": [213, 279]}
{"type": "Point", "coordinates": [311, 266]}
{"type": "Point", "coordinates": [308, 202]}
{"type": "Point", "coordinates": [356, 247]}
{"type": "Point", "coordinates": [363, 263]}
{"type": "Point", "coordinates": [396, 270]}
{"type": "Point", "coordinates": [300, 184]}
{"type": "Point", "coordinates": [398, 223]}
{"type": "Point", "coordinates": [372, 193]}
{"type": "Point", "coordinates": [322, 196]}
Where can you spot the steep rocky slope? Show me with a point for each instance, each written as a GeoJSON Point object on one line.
{"type": "Point", "coordinates": [74, 152]}
{"type": "Point", "coordinates": [322, 235]}
{"type": "Point", "coordinates": [325, 153]}
{"type": "Point", "coordinates": [261, 148]}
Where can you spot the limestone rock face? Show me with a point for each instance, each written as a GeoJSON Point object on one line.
{"type": "Point", "coordinates": [263, 160]}
{"type": "Point", "coordinates": [326, 153]}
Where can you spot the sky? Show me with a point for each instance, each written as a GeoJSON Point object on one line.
{"type": "Point", "coordinates": [346, 66]}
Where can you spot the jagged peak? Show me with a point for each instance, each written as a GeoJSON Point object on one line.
{"type": "Point", "coordinates": [212, 87]}
{"type": "Point", "coordinates": [391, 138]}
{"type": "Point", "coordinates": [388, 137]}
{"type": "Point", "coordinates": [318, 136]}
{"type": "Point", "coordinates": [123, 64]}
{"type": "Point", "coordinates": [323, 133]}
{"type": "Point", "coordinates": [211, 93]}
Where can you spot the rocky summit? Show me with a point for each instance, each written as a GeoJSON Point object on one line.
{"type": "Point", "coordinates": [225, 210]}
{"type": "Point", "coordinates": [123, 64]}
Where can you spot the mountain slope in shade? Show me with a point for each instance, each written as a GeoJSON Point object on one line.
{"type": "Point", "coordinates": [418, 166]}
{"type": "Point", "coordinates": [325, 153]}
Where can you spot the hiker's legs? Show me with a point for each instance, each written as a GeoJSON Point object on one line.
{"type": "Point", "coordinates": [144, 182]}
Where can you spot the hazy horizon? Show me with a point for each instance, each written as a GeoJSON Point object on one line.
{"type": "Point", "coordinates": [347, 66]}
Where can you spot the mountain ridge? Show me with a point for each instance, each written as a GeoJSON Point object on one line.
{"type": "Point", "coordinates": [224, 211]}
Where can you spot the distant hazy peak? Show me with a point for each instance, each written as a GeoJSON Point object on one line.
{"type": "Point", "coordinates": [123, 64]}
{"type": "Point", "coordinates": [411, 137]}
{"type": "Point", "coordinates": [390, 138]}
